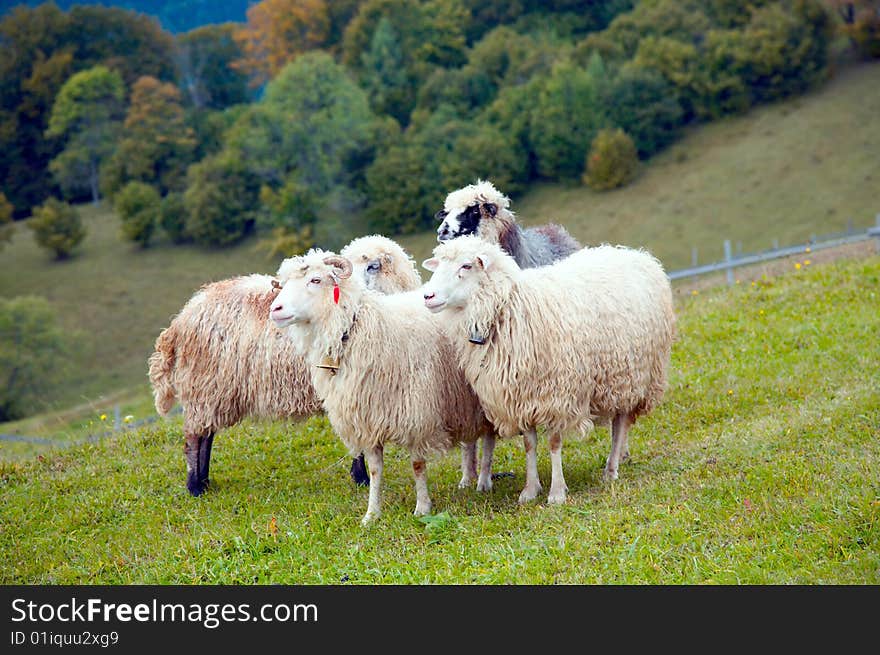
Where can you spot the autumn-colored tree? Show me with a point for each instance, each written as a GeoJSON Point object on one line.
{"type": "Point", "coordinates": [156, 145]}
{"type": "Point", "coordinates": [277, 31]}
{"type": "Point", "coordinates": [86, 115]}
{"type": "Point", "coordinates": [861, 23]}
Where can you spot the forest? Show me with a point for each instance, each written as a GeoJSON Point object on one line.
{"type": "Point", "coordinates": [314, 121]}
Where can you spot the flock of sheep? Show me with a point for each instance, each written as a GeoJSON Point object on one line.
{"type": "Point", "coordinates": [516, 329]}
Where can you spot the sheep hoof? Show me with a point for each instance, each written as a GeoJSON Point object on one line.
{"type": "Point", "coordinates": [422, 510]}
{"type": "Point", "coordinates": [358, 472]}
{"type": "Point", "coordinates": [465, 482]}
{"type": "Point", "coordinates": [195, 486]}
{"type": "Point", "coordinates": [609, 475]}
{"type": "Point", "coordinates": [529, 494]}
{"type": "Point", "coordinates": [369, 517]}
{"type": "Point", "coordinates": [556, 497]}
{"type": "Point", "coordinates": [485, 485]}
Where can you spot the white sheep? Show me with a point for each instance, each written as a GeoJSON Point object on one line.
{"type": "Point", "coordinates": [381, 365]}
{"type": "Point", "coordinates": [224, 360]}
{"type": "Point", "coordinates": [588, 337]}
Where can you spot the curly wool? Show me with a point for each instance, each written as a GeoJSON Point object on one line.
{"type": "Point", "coordinates": [398, 270]}
{"type": "Point", "coordinates": [397, 382]}
{"type": "Point", "coordinates": [224, 360]}
{"type": "Point", "coordinates": [586, 338]}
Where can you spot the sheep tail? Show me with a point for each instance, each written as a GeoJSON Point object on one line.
{"type": "Point", "coordinates": [161, 368]}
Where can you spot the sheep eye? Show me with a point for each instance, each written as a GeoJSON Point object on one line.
{"type": "Point", "coordinates": [315, 280]}
{"type": "Point", "coordinates": [466, 267]}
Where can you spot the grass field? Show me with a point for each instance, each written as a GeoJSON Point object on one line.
{"type": "Point", "coordinates": [761, 466]}
{"type": "Point", "coordinates": [783, 171]}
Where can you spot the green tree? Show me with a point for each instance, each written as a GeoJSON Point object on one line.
{"type": "Point", "coordinates": [172, 218]}
{"type": "Point", "coordinates": [6, 228]}
{"type": "Point", "coordinates": [156, 144]}
{"type": "Point", "coordinates": [564, 120]}
{"type": "Point", "coordinates": [645, 106]}
{"type": "Point", "coordinates": [207, 78]}
{"type": "Point", "coordinates": [612, 161]}
{"type": "Point", "coordinates": [86, 113]}
{"type": "Point", "coordinates": [221, 200]}
{"type": "Point", "coordinates": [138, 206]}
{"type": "Point", "coordinates": [384, 72]}
{"type": "Point", "coordinates": [429, 35]}
{"type": "Point", "coordinates": [33, 350]}
{"type": "Point", "coordinates": [57, 227]}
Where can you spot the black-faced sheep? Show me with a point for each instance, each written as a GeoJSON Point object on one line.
{"type": "Point", "coordinates": [381, 365]}
{"type": "Point", "coordinates": [224, 360]}
{"type": "Point", "coordinates": [588, 337]}
{"type": "Point", "coordinates": [480, 209]}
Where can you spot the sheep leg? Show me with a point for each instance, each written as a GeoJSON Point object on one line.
{"type": "Point", "coordinates": [558, 487]}
{"type": "Point", "coordinates": [484, 483]}
{"type": "Point", "coordinates": [205, 458]}
{"type": "Point", "coordinates": [619, 430]}
{"type": "Point", "coordinates": [533, 483]}
{"type": "Point", "coordinates": [375, 461]}
{"type": "Point", "coordinates": [468, 464]}
{"type": "Point", "coordinates": [358, 471]}
{"type": "Point", "coordinates": [192, 447]}
{"type": "Point", "coordinates": [423, 500]}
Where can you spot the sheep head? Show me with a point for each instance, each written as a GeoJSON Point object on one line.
{"type": "Point", "coordinates": [310, 286]}
{"type": "Point", "coordinates": [382, 264]}
{"type": "Point", "coordinates": [459, 268]}
{"type": "Point", "coordinates": [471, 210]}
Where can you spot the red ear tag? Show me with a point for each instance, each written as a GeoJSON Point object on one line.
{"type": "Point", "coordinates": [336, 293]}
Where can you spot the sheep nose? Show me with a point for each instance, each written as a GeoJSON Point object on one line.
{"type": "Point", "coordinates": [277, 307]}
{"type": "Point", "coordinates": [428, 296]}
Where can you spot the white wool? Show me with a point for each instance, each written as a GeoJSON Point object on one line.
{"type": "Point", "coordinates": [480, 192]}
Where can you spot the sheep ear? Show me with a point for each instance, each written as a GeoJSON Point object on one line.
{"type": "Point", "coordinates": [483, 261]}
{"type": "Point", "coordinates": [431, 264]}
{"type": "Point", "coordinates": [388, 258]}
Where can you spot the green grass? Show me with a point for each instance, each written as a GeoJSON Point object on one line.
{"type": "Point", "coordinates": [782, 171]}
{"type": "Point", "coordinates": [759, 467]}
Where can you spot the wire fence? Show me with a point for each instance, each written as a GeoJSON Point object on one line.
{"type": "Point", "coordinates": [733, 261]}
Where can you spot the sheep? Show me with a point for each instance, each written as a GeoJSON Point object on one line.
{"type": "Point", "coordinates": [381, 366]}
{"type": "Point", "coordinates": [483, 210]}
{"type": "Point", "coordinates": [588, 337]}
{"type": "Point", "coordinates": [222, 357]}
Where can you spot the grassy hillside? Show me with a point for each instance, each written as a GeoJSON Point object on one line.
{"type": "Point", "coordinates": [759, 467]}
{"type": "Point", "coordinates": [783, 171]}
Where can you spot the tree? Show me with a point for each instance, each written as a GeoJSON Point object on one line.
{"type": "Point", "coordinates": [57, 227]}
{"type": "Point", "coordinates": [612, 161]}
{"type": "Point", "coordinates": [645, 106]}
{"type": "Point", "coordinates": [87, 114]}
{"type": "Point", "coordinates": [204, 58]}
{"type": "Point", "coordinates": [32, 353]}
{"type": "Point", "coordinates": [277, 31]}
{"type": "Point", "coordinates": [6, 228]}
{"type": "Point", "coordinates": [428, 35]}
{"type": "Point", "coordinates": [564, 121]}
{"type": "Point", "coordinates": [172, 218]}
{"type": "Point", "coordinates": [42, 47]}
{"type": "Point", "coordinates": [221, 200]}
{"type": "Point", "coordinates": [384, 73]}
{"type": "Point", "coordinates": [157, 144]}
{"type": "Point", "coordinates": [138, 206]}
